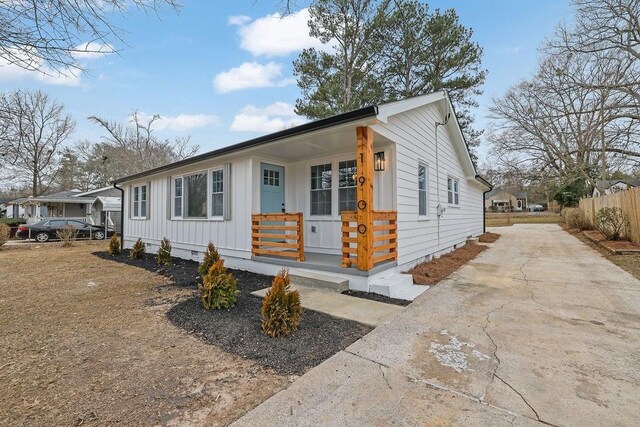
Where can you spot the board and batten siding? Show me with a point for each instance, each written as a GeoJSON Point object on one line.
{"type": "Point", "coordinates": [232, 237]}
{"type": "Point", "coordinates": [414, 134]}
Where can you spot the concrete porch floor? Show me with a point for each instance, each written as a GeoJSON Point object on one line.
{"type": "Point", "coordinates": [323, 262]}
{"type": "Point", "coordinates": [361, 310]}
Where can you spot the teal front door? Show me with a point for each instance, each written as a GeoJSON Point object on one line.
{"type": "Point", "coordinates": [271, 188]}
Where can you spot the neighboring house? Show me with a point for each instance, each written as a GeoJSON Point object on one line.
{"type": "Point", "coordinates": [101, 206]}
{"type": "Point", "coordinates": [366, 194]}
{"type": "Point", "coordinates": [504, 201]}
{"type": "Point", "coordinates": [605, 187]}
{"type": "Point", "coordinates": [12, 208]}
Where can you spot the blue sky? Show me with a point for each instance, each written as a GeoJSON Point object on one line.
{"type": "Point", "coordinates": [221, 71]}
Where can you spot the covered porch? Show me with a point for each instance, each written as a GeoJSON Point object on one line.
{"type": "Point", "coordinates": [326, 202]}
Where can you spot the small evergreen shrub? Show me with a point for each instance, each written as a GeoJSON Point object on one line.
{"type": "Point", "coordinates": [4, 234]}
{"type": "Point", "coordinates": [219, 288]}
{"type": "Point", "coordinates": [67, 235]}
{"type": "Point", "coordinates": [281, 309]}
{"type": "Point", "coordinates": [114, 245]}
{"type": "Point", "coordinates": [211, 256]}
{"type": "Point", "coordinates": [575, 218]}
{"type": "Point", "coordinates": [138, 250]}
{"type": "Point", "coordinates": [612, 222]}
{"type": "Point", "coordinates": [164, 253]}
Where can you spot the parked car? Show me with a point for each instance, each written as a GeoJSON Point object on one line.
{"type": "Point", "coordinates": [47, 229]}
{"type": "Point", "coordinates": [536, 208]}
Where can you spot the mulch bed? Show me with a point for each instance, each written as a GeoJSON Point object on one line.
{"type": "Point", "coordinates": [488, 237]}
{"type": "Point", "coordinates": [238, 331]}
{"type": "Point", "coordinates": [616, 246]}
{"type": "Point", "coordinates": [594, 235]}
{"type": "Point", "coordinates": [376, 297]}
{"type": "Point", "coordinates": [431, 272]}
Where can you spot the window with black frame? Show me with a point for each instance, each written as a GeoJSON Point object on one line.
{"type": "Point", "coordinates": [321, 176]}
{"type": "Point", "coordinates": [347, 194]}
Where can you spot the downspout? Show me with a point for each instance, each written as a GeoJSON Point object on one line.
{"type": "Point", "coordinates": [484, 197]}
{"type": "Point", "coordinates": [439, 209]}
{"type": "Point", "coordinates": [115, 185]}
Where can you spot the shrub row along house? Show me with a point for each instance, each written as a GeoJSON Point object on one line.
{"type": "Point", "coordinates": [363, 195]}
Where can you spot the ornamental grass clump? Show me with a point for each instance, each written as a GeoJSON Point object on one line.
{"type": "Point", "coordinates": [211, 256]}
{"type": "Point", "coordinates": [114, 245]}
{"type": "Point", "coordinates": [281, 309]}
{"type": "Point", "coordinates": [138, 250]}
{"type": "Point", "coordinates": [67, 235]}
{"type": "Point", "coordinates": [575, 218]}
{"type": "Point", "coordinates": [219, 288]}
{"type": "Point", "coordinates": [612, 222]}
{"type": "Point", "coordinates": [4, 234]}
{"type": "Point", "coordinates": [164, 253]}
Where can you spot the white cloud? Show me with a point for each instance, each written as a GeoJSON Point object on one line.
{"type": "Point", "coordinates": [250, 75]}
{"type": "Point", "coordinates": [92, 50]}
{"type": "Point", "coordinates": [182, 122]}
{"type": "Point", "coordinates": [43, 74]}
{"type": "Point", "coordinates": [275, 35]}
{"type": "Point", "coordinates": [238, 20]}
{"type": "Point", "coordinates": [272, 118]}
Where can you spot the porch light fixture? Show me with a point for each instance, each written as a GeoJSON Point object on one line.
{"type": "Point", "coordinates": [378, 161]}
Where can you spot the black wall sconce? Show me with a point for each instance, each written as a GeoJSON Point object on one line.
{"type": "Point", "coordinates": [378, 161]}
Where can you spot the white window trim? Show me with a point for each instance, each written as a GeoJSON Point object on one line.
{"type": "Point", "coordinates": [455, 180]}
{"type": "Point", "coordinates": [209, 217]}
{"type": "Point", "coordinates": [133, 201]}
{"type": "Point", "coordinates": [423, 217]}
{"type": "Point", "coordinates": [173, 197]}
{"type": "Point", "coordinates": [210, 194]}
{"type": "Point", "coordinates": [310, 190]}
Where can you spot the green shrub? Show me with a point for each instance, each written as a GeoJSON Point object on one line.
{"type": "Point", "coordinates": [211, 256]}
{"type": "Point", "coordinates": [281, 309]}
{"type": "Point", "coordinates": [575, 218]}
{"type": "Point", "coordinates": [114, 245]}
{"type": "Point", "coordinates": [218, 288]}
{"type": "Point", "coordinates": [13, 222]}
{"type": "Point", "coordinates": [138, 250]}
{"type": "Point", "coordinates": [4, 234]}
{"type": "Point", "coordinates": [164, 253]}
{"type": "Point", "coordinates": [67, 235]}
{"type": "Point", "coordinates": [612, 222]}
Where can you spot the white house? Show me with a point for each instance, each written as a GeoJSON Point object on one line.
{"type": "Point", "coordinates": [363, 195]}
{"type": "Point", "coordinates": [606, 187]}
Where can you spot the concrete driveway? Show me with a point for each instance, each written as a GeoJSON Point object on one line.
{"type": "Point", "coordinates": [538, 329]}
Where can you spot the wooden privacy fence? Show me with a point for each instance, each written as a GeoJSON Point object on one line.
{"type": "Point", "coordinates": [278, 235]}
{"type": "Point", "coordinates": [385, 238]}
{"type": "Point", "coordinates": [628, 201]}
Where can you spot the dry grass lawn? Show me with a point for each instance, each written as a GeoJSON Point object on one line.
{"type": "Point", "coordinates": [86, 341]}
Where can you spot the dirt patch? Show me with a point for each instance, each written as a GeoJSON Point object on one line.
{"type": "Point", "coordinates": [488, 237]}
{"type": "Point", "coordinates": [629, 263]}
{"type": "Point", "coordinates": [431, 272]}
{"type": "Point", "coordinates": [376, 297]}
{"type": "Point", "coordinates": [237, 330]}
{"type": "Point", "coordinates": [85, 341]}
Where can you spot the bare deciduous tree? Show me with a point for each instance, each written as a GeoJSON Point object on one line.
{"type": "Point", "coordinates": [35, 34]}
{"type": "Point", "coordinates": [129, 149]}
{"type": "Point", "coordinates": [34, 130]}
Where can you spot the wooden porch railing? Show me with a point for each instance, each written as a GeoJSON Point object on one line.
{"type": "Point", "coordinates": [278, 235]}
{"type": "Point", "coordinates": [385, 238]}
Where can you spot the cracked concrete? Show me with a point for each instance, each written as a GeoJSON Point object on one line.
{"type": "Point", "coordinates": [558, 323]}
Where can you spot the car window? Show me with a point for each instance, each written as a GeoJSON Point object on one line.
{"type": "Point", "coordinates": [57, 223]}
{"type": "Point", "coordinates": [77, 224]}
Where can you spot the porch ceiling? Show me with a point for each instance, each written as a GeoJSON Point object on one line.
{"type": "Point", "coordinates": [324, 143]}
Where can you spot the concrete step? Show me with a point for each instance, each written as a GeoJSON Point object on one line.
{"type": "Point", "coordinates": [321, 281]}
{"type": "Point", "coordinates": [397, 285]}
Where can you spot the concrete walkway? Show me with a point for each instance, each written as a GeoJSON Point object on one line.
{"type": "Point", "coordinates": [537, 329]}
{"type": "Point", "coordinates": [361, 310]}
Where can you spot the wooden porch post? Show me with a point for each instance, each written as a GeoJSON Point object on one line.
{"type": "Point", "coordinates": [364, 206]}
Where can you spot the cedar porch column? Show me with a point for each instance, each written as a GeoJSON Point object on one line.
{"type": "Point", "coordinates": [364, 206]}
